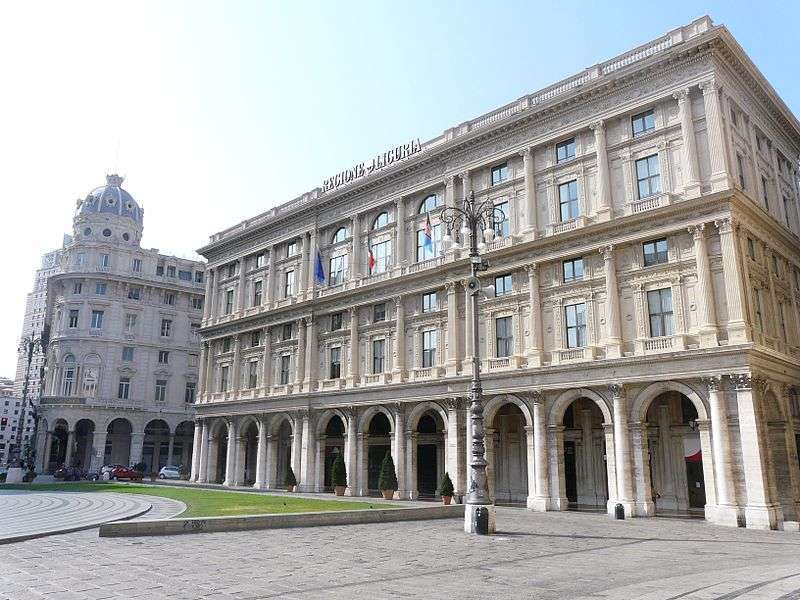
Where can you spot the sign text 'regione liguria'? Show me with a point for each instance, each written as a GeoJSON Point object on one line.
{"type": "Point", "coordinates": [376, 164]}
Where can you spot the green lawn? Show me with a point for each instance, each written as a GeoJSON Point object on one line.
{"type": "Point", "coordinates": [209, 503]}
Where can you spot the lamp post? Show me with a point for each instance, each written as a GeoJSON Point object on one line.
{"type": "Point", "coordinates": [474, 224]}
{"type": "Point", "coordinates": [29, 345]}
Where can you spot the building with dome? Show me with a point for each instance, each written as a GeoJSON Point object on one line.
{"type": "Point", "coordinates": [122, 360]}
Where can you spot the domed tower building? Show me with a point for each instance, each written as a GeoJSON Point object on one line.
{"type": "Point", "coordinates": [123, 352]}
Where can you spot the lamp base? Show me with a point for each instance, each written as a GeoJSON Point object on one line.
{"type": "Point", "coordinates": [480, 518]}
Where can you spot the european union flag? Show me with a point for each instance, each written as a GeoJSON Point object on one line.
{"type": "Point", "coordinates": [319, 272]}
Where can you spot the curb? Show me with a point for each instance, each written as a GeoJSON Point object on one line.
{"type": "Point", "coordinates": [279, 521]}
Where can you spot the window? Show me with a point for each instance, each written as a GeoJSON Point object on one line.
{"type": "Point", "coordinates": [127, 353]}
{"type": "Point", "coordinates": [171, 271]}
{"type": "Point", "coordinates": [288, 284]}
{"type": "Point", "coordinates": [338, 265]}
{"type": "Point", "coordinates": [572, 269]}
{"type": "Point", "coordinates": [124, 388]}
{"type": "Point", "coordinates": [499, 173]}
{"type": "Point", "coordinates": [568, 200]}
{"type": "Point", "coordinates": [291, 248]}
{"type": "Point", "coordinates": [190, 392]}
{"type": "Point", "coordinates": [503, 285]}
{"type": "Point", "coordinates": [161, 390]}
{"type": "Point", "coordinates": [134, 293]}
{"type": "Point", "coordinates": [575, 320]}
{"type": "Point", "coordinates": [336, 363]}
{"type": "Point", "coordinates": [260, 260]}
{"type": "Point", "coordinates": [380, 252]}
{"type": "Point", "coordinates": [379, 312]}
{"type": "Point", "coordinates": [100, 289]}
{"type": "Point", "coordinates": [429, 204]}
{"type": "Point", "coordinates": [336, 321]}
{"type": "Point", "coordinates": [166, 327]}
{"type": "Point", "coordinates": [504, 335]}
{"type": "Point", "coordinates": [382, 220]}
{"type": "Point", "coordinates": [73, 319]}
{"type": "Point", "coordinates": [429, 348]}
{"type": "Point", "coordinates": [223, 378]}
{"type": "Point", "coordinates": [77, 288]}
{"type": "Point", "coordinates": [643, 122]}
{"type": "Point", "coordinates": [286, 332]}
{"type": "Point", "coordinates": [197, 303]}
{"type": "Point", "coordinates": [339, 236]}
{"type": "Point", "coordinates": [284, 374]}
{"type": "Point", "coordinates": [757, 308]}
{"type": "Point", "coordinates": [252, 374]}
{"type": "Point", "coordinates": [136, 265]}
{"type": "Point", "coordinates": [751, 248]}
{"type": "Point", "coordinates": [378, 356]}
{"type": "Point", "coordinates": [130, 323]}
{"type": "Point", "coordinates": [226, 344]}
{"type": "Point", "coordinates": [257, 287]}
{"type": "Point", "coordinates": [231, 269]}
{"type": "Point", "coordinates": [502, 219]}
{"type": "Point", "coordinates": [69, 375]}
{"type": "Point", "coordinates": [105, 260]}
{"type": "Point", "coordinates": [198, 276]}
{"type": "Point", "coordinates": [425, 251]}
{"type": "Point", "coordinates": [163, 357]}
{"type": "Point", "coordinates": [655, 252]}
{"type": "Point", "coordinates": [565, 150]}
{"type": "Point", "coordinates": [648, 176]}
{"type": "Point", "coordinates": [169, 298]}
{"type": "Point", "coordinates": [429, 302]}
{"type": "Point", "coordinates": [740, 169]}
{"type": "Point", "coordinates": [659, 305]}
{"type": "Point", "coordinates": [185, 275]}
{"type": "Point", "coordinates": [255, 338]}
{"type": "Point", "coordinates": [97, 319]}
{"type": "Point", "coordinates": [80, 259]}
{"type": "Point", "coordinates": [228, 302]}
{"type": "Point", "coordinates": [765, 191]}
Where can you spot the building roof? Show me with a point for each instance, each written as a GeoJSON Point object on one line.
{"type": "Point", "coordinates": [111, 199]}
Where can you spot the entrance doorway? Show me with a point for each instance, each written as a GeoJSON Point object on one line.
{"type": "Point", "coordinates": [570, 472]}
{"type": "Point", "coordinates": [427, 470]}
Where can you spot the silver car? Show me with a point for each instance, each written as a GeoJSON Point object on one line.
{"type": "Point", "coordinates": [169, 472]}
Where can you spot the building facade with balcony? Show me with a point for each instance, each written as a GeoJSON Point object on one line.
{"type": "Point", "coordinates": [124, 344]}
{"type": "Point", "coordinates": [640, 348]}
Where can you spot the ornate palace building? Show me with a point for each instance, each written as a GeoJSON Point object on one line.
{"type": "Point", "coordinates": [124, 344]}
{"type": "Point", "coordinates": [641, 346]}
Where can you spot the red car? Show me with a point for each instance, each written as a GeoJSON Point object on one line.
{"type": "Point", "coordinates": [124, 473]}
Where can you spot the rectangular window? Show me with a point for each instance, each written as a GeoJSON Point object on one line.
{"type": "Point", "coordinates": [260, 260]}
{"type": "Point", "coordinates": [226, 344]}
{"type": "Point", "coordinates": [161, 390]}
{"type": "Point", "coordinates": [429, 302]}
{"type": "Point", "coordinates": [100, 289]}
{"type": "Point", "coordinates": [285, 362]}
{"type": "Point", "coordinates": [565, 150]}
{"type": "Point", "coordinates": [197, 303]}
{"type": "Point", "coordinates": [575, 321]}
{"type": "Point", "coordinates": [171, 271]}
{"type": "Point", "coordinates": [163, 357]}
{"type": "Point", "coordinates": [134, 293]}
{"type": "Point", "coordinates": [77, 288]}
{"type": "Point", "coordinates": [127, 353]}
{"type": "Point", "coordinates": [124, 388]}
{"type": "Point", "coordinates": [223, 378]}
{"type": "Point", "coordinates": [73, 319]}
{"type": "Point", "coordinates": [379, 312]}
{"type": "Point", "coordinates": [105, 260]}
{"type": "Point", "coordinates": [255, 339]}
{"type": "Point", "coordinates": [429, 348]}
{"type": "Point", "coordinates": [648, 176]}
{"type": "Point", "coordinates": [503, 285]}
{"type": "Point", "coordinates": [765, 191]}
{"type": "Point", "coordinates": [336, 363]}
{"type": "Point", "coordinates": [231, 269]}
{"type": "Point", "coordinates": [336, 321]}
{"type": "Point", "coordinates": [228, 302]}
{"type": "Point", "coordinates": [427, 252]}
{"type": "Point", "coordinates": [380, 252]}
{"type": "Point", "coordinates": [198, 276]}
{"type": "Point", "coordinates": [499, 173]}
{"type": "Point", "coordinates": [655, 252]}
{"type": "Point", "coordinates": [130, 323]}
{"type": "Point", "coordinates": [190, 392]}
{"type": "Point", "coordinates": [288, 284]}
{"type": "Point", "coordinates": [504, 335]}
{"type": "Point", "coordinates": [757, 309]}
{"type": "Point", "coordinates": [185, 275]}
{"type": "Point", "coordinates": [80, 259]}
{"type": "Point", "coordinates": [502, 219]}
{"type": "Point", "coordinates": [257, 287]}
{"type": "Point", "coordinates": [286, 332]}
{"type": "Point", "coordinates": [659, 306]}
{"type": "Point", "coordinates": [160, 269]}
{"type": "Point", "coordinates": [291, 249]}
{"type": "Point", "coordinates": [568, 201]}
{"type": "Point", "coordinates": [338, 266]}
{"type": "Point", "coordinates": [572, 269]}
{"type": "Point", "coordinates": [97, 319]}
{"type": "Point", "coordinates": [252, 374]}
{"type": "Point", "coordinates": [378, 356]}
{"type": "Point", "coordinates": [643, 122]}
{"type": "Point", "coordinates": [169, 298]}
{"type": "Point", "coordinates": [166, 327]}
{"type": "Point", "coordinates": [740, 169]}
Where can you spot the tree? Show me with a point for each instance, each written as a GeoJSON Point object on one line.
{"type": "Point", "coordinates": [290, 480]}
{"type": "Point", "coordinates": [388, 478]}
{"type": "Point", "coordinates": [446, 486]}
{"type": "Point", "coordinates": [339, 471]}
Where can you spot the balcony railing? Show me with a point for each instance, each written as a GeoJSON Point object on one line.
{"type": "Point", "coordinates": [650, 203]}
{"type": "Point", "coordinates": [572, 354]}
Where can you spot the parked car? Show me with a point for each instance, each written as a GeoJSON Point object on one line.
{"type": "Point", "coordinates": [129, 473]}
{"type": "Point", "coordinates": [169, 472]}
{"type": "Point", "coordinates": [69, 473]}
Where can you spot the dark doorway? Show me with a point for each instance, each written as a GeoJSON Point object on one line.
{"type": "Point", "coordinates": [334, 445]}
{"type": "Point", "coordinates": [427, 470]}
{"type": "Point", "coordinates": [375, 458]}
{"type": "Point", "coordinates": [694, 479]}
{"type": "Point", "coordinates": [570, 473]}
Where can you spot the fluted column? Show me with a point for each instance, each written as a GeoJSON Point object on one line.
{"type": "Point", "coordinates": [622, 450]}
{"type": "Point", "coordinates": [305, 266]}
{"type": "Point", "coordinates": [242, 293]}
{"type": "Point", "coordinates": [266, 362]}
{"type": "Point", "coordinates": [541, 499]}
{"type": "Point", "coordinates": [308, 453]}
{"type": "Point", "coordinates": [603, 173]}
{"type": "Point", "coordinates": [738, 331]}
{"type": "Point", "coordinates": [452, 362]}
{"type": "Point", "coordinates": [466, 183]}
{"type": "Point", "coordinates": [261, 455]}
{"type": "Point", "coordinates": [533, 342]}
{"type": "Point", "coordinates": [706, 311]}
{"type": "Point", "coordinates": [44, 459]}
{"type": "Point", "coordinates": [311, 354]}
{"type": "Point", "coordinates": [237, 363]}
{"type": "Point", "coordinates": [399, 449]}
{"type": "Point", "coordinates": [450, 191]}
{"type": "Point", "coordinates": [689, 163]}
{"type": "Point", "coordinates": [353, 365]}
{"type": "Point", "coordinates": [720, 177]}
{"type": "Point", "coordinates": [312, 263]}
{"type": "Point", "coordinates": [70, 447]}
{"type": "Point", "coordinates": [400, 258]}
{"type": "Point", "coordinates": [351, 450]}
{"type": "Point", "coordinates": [196, 441]}
{"type": "Point", "coordinates": [230, 455]}
{"type": "Point", "coordinates": [271, 281]}
{"type": "Point", "coordinates": [456, 439]}
{"type": "Point", "coordinates": [207, 300]}
{"type": "Point", "coordinates": [202, 474]}
{"type": "Point", "coordinates": [201, 378]}
{"type": "Point", "coordinates": [613, 333]}
{"type": "Point", "coordinates": [300, 362]}
{"type": "Point", "coordinates": [726, 510]}
{"type": "Point", "coordinates": [209, 373]}
{"type": "Point", "coordinates": [399, 358]}
{"type": "Point", "coordinates": [355, 258]}
{"type": "Point", "coordinates": [531, 224]}
{"type": "Point", "coordinates": [214, 294]}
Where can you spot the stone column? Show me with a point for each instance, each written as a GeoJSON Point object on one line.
{"type": "Point", "coordinates": [776, 180]}
{"type": "Point", "coordinates": [399, 358]}
{"type": "Point", "coordinates": [611, 468]}
{"type": "Point", "coordinates": [355, 258]}
{"type": "Point", "coordinates": [210, 472]}
{"type": "Point", "coordinates": [613, 333]}
{"type": "Point", "coordinates": [261, 455]}
{"type": "Point", "coordinates": [466, 183]}
{"type": "Point", "coordinates": [456, 451]}
{"type": "Point", "coordinates": [44, 460]}
{"type": "Point", "coordinates": [212, 313]}
{"type": "Point", "coordinates": [399, 450]}
{"type": "Point", "coordinates": [411, 465]}
{"type": "Point", "coordinates": [312, 262]}
{"type": "Point", "coordinates": [201, 379]}
{"type": "Point", "coordinates": [198, 434]}
{"type": "Point", "coordinates": [622, 450]}
{"type": "Point", "coordinates": [469, 351]}
{"type": "Point", "coordinates": [297, 444]}
{"type": "Point", "coordinates": [450, 191]}
{"type": "Point", "coordinates": [201, 476]}
{"type": "Point", "coordinates": [541, 499]}
{"type": "Point", "coordinates": [401, 259]}
{"type": "Point", "coordinates": [137, 441]}
{"type": "Point", "coordinates": [300, 363]}
{"type": "Point", "coordinates": [209, 372]}
{"type": "Point", "coordinates": [230, 456]}
{"type": "Point", "coordinates": [305, 266]}
{"type": "Point", "coordinates": [726, 511]}
{"type": "Point", "coordinates": [308, 453]}
{"type": "Point", "coordinates": [361, 467]}
{"type": "Point", "coordinates": [351, 450]}
{"type": "Point", "coordinates": [353, 366]}
{"type": "Point", "coordinates": [738, 331]}
{"type": "Point", "coordinates": [533, 341]}
{"type": "Point", "coordinates": [689, 163]}
{"type": "Point", "coordinates": [706, 312]}
{"type": "Point", "coordinates": [531, 225]}
{"type": "Point", "coordinates": [452, 362]}
{"type": "Point", "coordinates": [170, 448]}
{"type": "Point", "coordinates": [603, 172]}
{"type": "Point", "coordinates": [555, 449]}
{"type": "Point", "coordinates": [271, 282]}
{"type": "Point", "coordinates": [311, 354]}
{"type": "Point", "coordinates": [237, 363]}
{"type": "Point", "coordinates": [208, 294]}
{"type": "Point", "coordinates": [640, 462]}
{"type": "Point", "coordinates": [98, 450]}
{"type": "Point", "coordinates": [266, 362]}
{"type": "Point", "coordinates": [720, 177]}
{"type": "Point", "coordinates": [761, 512]}
{"type": "Point", "coordinates": [242, 292]}
{"type": "Point", "coordinates": [238, 473]}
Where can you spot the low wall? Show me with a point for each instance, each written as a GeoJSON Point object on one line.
{"type": "Point", "coordinates": [309, 519]}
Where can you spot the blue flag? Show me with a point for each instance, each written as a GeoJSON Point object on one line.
{"type": "Point", "coordinates": [319, 272]}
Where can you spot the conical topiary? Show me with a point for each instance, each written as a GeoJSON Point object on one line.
{"type": "Point", "coordinates": [388, 478]}
{"type": "Point", "coordinates": [446, 486]}
{"type": "Point", "coordinates": [291, 480]}
{"type": "Point", "coordinates": [339, 471]}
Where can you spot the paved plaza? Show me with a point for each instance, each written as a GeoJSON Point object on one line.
{"type": "Point", "coordinates": [534, 555]}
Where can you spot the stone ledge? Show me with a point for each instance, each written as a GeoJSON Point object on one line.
{"type": "Point", "coordinates": [250, 522]}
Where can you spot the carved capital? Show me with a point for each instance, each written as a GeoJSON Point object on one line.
{"type": "Point", "coordinates": [742, 381]}
{"type": "Point", "coordinates": [709, 87]}
{"type": "Point", "coordinates": [450, 286]}
{"type": "Point", "coordinates": [607, 252]}
{"type": "Point", "coordinates": [457, 403]}
{"type": "Point", "coordinates": [760, 384]}
{"type": "Point", "coordinates": [713, 383]}
{"type": "Point", "coordinates": [597, 126]}
{"type": "Point", "coordinates": [724, 225]}
{"type": "Point", "coordinates": [697, 231]}
{"type": "Point", "coordinates": [537, 397]}
{"type": "Point", "coordinates": [531, 269]}
{"type": "Point", "coordinates": [617, 390]}
{"type": "Point", "coordinates": [681, 95]}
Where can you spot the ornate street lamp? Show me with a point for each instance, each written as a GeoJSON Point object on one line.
{"type": "Point", "coordinates": [474, 224]}
{"type": "Point", "coordinates": [28, 346]}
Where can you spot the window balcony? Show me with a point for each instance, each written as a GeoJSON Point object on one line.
{"type": "Point", "coordinates": [658, 345]}
{"type": "Point", "coordinates": [649, 203]}
{"type": "Point", "coordinates": [425, 264]}
{"type": "Point", "coordinates": [568, 355]}
{"type": "Point", "coordinates": [499, 363]}
{"type": "Point", "coordinates": [564, 226]}
{"type": "Point", "coordinates": [376, 379]}
{"type": "Point", "coordinates": [332, 384]}
{"type": "Point", "coordinates": [424, 373]}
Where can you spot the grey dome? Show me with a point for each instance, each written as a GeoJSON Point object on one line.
{"type": "Point", "coordinates": [113, 200]}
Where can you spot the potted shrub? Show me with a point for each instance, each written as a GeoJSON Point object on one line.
{"type": "Point", "coordinates": [339, 475]}
{"type": "Point", "coordinates": [446, 489]}
{"type": "Point", "coordinates": [29, 476]}
{"type": "Point", "coordinates": [291, 480]}
{"type": "Point", "coordinates": [387, 483]}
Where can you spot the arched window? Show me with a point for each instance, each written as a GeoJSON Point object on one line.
{"type": "Point", "coordinates": [91, 375]}
{"type": "Point", "coordinates": [340, 235]}
{"type": "Point", "coordinates": [382, 220]}
{"type": "Point", "coordinates": [68, 380]}
{"type": "Point", "coordinates": [429, 204]}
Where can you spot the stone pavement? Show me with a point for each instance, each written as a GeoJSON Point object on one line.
{"type": "Point", "coordinates": [534, 555]}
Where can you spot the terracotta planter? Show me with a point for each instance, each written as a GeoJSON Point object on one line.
{"type": "Point", "coordinates": [339, 489]}
{"type": "Point", "coordinates": [290, 488]}
{"type": "Point", "coordinates": [387, 494]}
{"type": "Point", "coordinates": [447, 499]}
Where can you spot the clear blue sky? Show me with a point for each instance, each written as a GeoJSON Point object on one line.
{"type": "Point", "coordinates": [216, 111]}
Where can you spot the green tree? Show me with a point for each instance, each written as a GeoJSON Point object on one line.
{"type": "Point", "coordinates": [290, 480]}
{"type": "Point", "coordinates": [446, 486]}
{"type": "Point", "coordinates": [339, 471]}
{"type": "Point", "coordinates": [388, 478]}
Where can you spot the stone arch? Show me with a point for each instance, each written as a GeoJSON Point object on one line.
{"type": "Point", "coordinates": [652, 391]}
{"type": "Point", "coordinates": [559, 406]}
{"type": "Point", "coordinates": [420, 409]}
{"type": "Point", "coordinates": [497, 402]}
{"type": "Point", "coordinates": [217, 426]}
{"type": "Point", "coordinates": [245, 422]}
{"type": "Point", "coordinates": [782, 450]}
{"type": "Point", "coordinates": [118, 442]}
{"type": "Point", "coordinates": [370, 412]}
{"type": "Point", "coordinates": [276, 420]}
{"type": "Point", "coordinates": [326, 416]}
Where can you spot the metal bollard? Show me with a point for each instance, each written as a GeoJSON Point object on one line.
{"type": "Point", "coordinates": [482, 520]}
{"type": "Point", "coordinates": [619, 512]}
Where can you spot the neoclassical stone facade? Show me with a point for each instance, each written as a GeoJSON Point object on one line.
{"type": "Point", "coordinates": [641, 347]}
{"type": "Point", "coordinates": [124, 343]}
